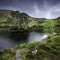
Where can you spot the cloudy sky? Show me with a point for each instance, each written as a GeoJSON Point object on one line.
{"type": "Point", "coordinates": [35, 8]}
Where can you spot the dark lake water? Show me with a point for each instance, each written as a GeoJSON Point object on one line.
{"type": "Point", "coordinates": [11, 39]}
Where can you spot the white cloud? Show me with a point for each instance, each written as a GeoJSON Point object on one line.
{"type": "Point", "coordinates": [47, 13]}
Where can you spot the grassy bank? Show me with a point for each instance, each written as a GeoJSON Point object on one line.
{"type": "Point", "coordinates": [46, 50]}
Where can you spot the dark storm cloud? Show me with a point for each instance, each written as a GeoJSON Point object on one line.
{"type": "Point", "coordinates": [5, 2]}
{"type": "Point", "coordinates": [53, 2]}
{"type": "Point", "coordinates": [35, 8]}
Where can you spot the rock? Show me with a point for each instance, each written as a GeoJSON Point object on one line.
{"type": "Point", "coordinates": [34, 52]}
{"type": "Point", "coordinates": [18, 55]}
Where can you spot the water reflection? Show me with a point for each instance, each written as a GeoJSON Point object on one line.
{"type": "Point", "coordinates": [19, 37]}
{"type": "Point", "coordinates": [34, 36]}
{"type": "Point", "coordinates": [5, 41]}
{"type": "Point", "coordinates": [11, 39]}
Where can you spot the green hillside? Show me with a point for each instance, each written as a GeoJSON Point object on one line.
{"type": "Point", "coordinates": [15, 19]}
{"type": "Point", "coordinates": [22, 21]}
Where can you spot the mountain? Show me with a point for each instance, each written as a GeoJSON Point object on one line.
{"type": "Point", "coordinates": [5, 13]}
{"type": "Point", "coordinates": [10, 18]}
{"type": "Point", "coordinates": [14, 16]}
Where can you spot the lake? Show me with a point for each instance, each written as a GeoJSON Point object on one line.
{"type": "Point", "coordinates": [11, 39]}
